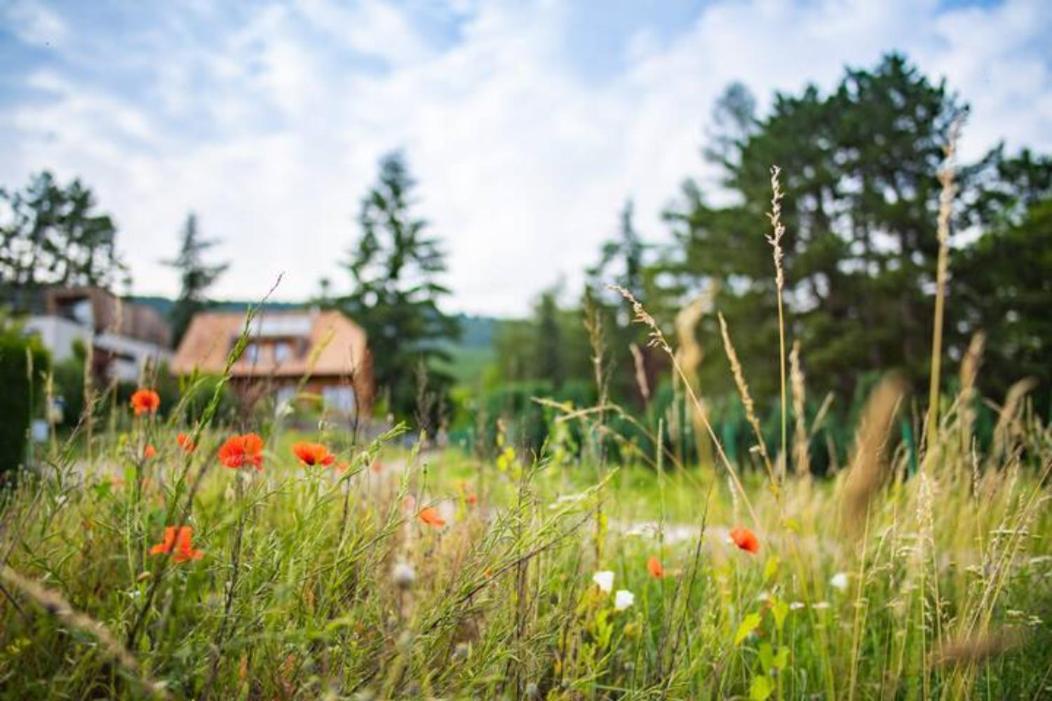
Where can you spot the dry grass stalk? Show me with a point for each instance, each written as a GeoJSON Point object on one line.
{"type": "Point", "coordinates": [56, 605]}
{"type": "Point", "coordinates": [641, 371]}
{"type": "Point", "coordinates": [746, 397]}
{"type": "Point", "coordinates": [949, 190]}
{"type": "Point", "coordinates": [775, 239]}
{"type": "Point", "coordinates": [801, 441]}
{"type": "Point", "coordinates": [689, 354]}
{"type": "Point", "coordinates": [971, 649]}
{"type": "Point", "coordinates": [969, 372]}
{"type": "Point", "coordinates": [1008, 421]}
{"type": "Point", "coordinates": [657, 340]}
{"type": "Point", "coordinates": [867, 468]}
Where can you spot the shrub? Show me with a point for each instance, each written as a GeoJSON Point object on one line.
{"type": "Point", "coordinates": [23, 366]}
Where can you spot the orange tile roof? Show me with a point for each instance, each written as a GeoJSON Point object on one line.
{"type": "Point", "coordinates": [320, 343]}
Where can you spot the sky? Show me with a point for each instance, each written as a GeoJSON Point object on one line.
{"type": "Point", "coordinates": [526, 124]}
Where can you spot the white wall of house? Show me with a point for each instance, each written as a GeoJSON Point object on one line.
{"type": "Point", "coordinates": [58, 334]}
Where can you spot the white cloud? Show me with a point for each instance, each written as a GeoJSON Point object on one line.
{"type": "Point", "coordinates": [523, 163]}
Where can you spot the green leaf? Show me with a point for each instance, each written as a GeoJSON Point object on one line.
{"type": "Point", "coordinates": [780, 610]}
{"type": "Point", "coordinates": [781, 660]}
{"type": "Point", "coordinates": [770, 569]}
{"type": "Point", "coordinates": [766, 656]}
{"type": "Point", "coordinates": [751, 623]}
{"type": "Point", "coordinates": [760, 689]}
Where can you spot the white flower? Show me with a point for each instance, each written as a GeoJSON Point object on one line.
{"type": "Point", "coordinates": [821, 605]}
{"type": "Point", "coordinates": [839, 581]}
{"type": "Point", "coordinates": [403, 575]}
{"type": "Point", "coordinates": [623, 599]}
{"type": "Point", "coordinates": [604, 580]}
{"type": "Point", "coordinates": [796, 605]}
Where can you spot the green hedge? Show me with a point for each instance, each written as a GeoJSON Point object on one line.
{"type": "Point", "coordinates": [21, 393]}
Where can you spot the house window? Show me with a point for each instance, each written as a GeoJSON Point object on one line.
{"type": "Point", "coordinates": [282, 352]}
{"type": "Point", "coordinates": [339, 398]}
{"type": "Point", "coordinates": [286, 394]}
{"type": "Point", "coordinates": [252, 353]}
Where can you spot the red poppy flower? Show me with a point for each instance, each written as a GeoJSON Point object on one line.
{"type": "Point", "coordinates": [377, 466]}
{"type": "Point", "coordinates": [145, 401]}
{"type": "Point", "coordinates": [431, 517]}
{"type": "Point", "coordinates": [654, 568]}
{"type": "Point", "coordinates": [472, 499]}
{"type": "Point", "coordinates": [185, 442]}
{"type": "Point", "coordinates": [311, 454]}
{"type": "Point", "coordinates": [149, 451]}
{"type": "Point", "coordinates": [745, 539]}
{"type": "Point", "coordinates": [239, 451]}
{"type": "Point", "coordinates": [179, 540]}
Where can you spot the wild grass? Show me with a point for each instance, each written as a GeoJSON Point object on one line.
{"type": "Point", "coordinates": [413, 573]}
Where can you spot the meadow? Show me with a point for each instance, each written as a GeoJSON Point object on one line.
{"type": "Point", "coordinates": [146, 558]}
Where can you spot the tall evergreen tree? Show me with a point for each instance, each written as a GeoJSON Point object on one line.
{"type": "Point", "coordinates": [396, 267]}
{"type": "Point", "coordinates": [195, 276]}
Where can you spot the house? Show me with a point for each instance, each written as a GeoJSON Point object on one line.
{"type": "Point", "coordinates": [123, 337]}
{"type": "Point", "coordinates": [313, 351]}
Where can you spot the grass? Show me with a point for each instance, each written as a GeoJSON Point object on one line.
{"type": "Point", "coordinates": [944, 593]}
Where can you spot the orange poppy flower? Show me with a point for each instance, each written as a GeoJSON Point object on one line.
{"type": "Point", "coordinates": [145, 401]}
{"type": "Point", "coordinates": [149, 451]}
{"type": "Point", "coordinates": [239, 451]}
{"type": "Point", "coordinates": [185, 442]}
{"type": "Point", "coordinates": [654, 568]}
{"type": "Point", "coordinates": [311, 454]}
{"type": "Point", "coordinates": [472, 499]}
{"type": "Point", "coordinates": [745, 539]}
{"type": "Point", "coordinates": [179, 540]}
{"type": "Point", "coordinates": [377, 466]}
{"type": "Point", "coordinates": [431, 517]}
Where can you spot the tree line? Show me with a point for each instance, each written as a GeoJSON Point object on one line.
{"type": "Point", "coordinates": [859, 169]}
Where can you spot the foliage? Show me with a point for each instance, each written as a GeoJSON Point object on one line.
{"type": "Point", "coordinates": [396, 267]}
{"type": "Point", "coordinates": [23, 369]}
{"type": "Point", "coordinates": [53, 235]}
{"type": "Point", "coordinates": [195, 277]}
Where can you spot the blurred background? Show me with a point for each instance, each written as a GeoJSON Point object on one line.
{"type": "Point", "coordinates": [462, 180]}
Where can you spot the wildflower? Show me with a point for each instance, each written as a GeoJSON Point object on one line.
{"type": "Point", "coordinates": [654, 568]}
{"type": "Point", "coordinates": [149, 451]}
{"type": "Point", "coordinates": [185, 442]}
{"type": "Point", "coordinates": [179, 540]}
{"type": "Point", "coordinates": [239, 451]}
{"type": "Point", "coordinates": [745, 539]}
{"type": "Point", "coordinates": [839, 581]}
{"type": "Point", "coordinates": [145, 401]}
{"type": "Point", "coordinates": [604, 580]}
{"type": "Point", "coordinates": [311, 454]}
{"type": "Point", "coordinates": [472, 499]}
{"type": "Point", "coordinates": [820, 605]}
{"type": "Point", "coordinates": [377, 466]}
{"type": "Point", "coordinates": [796, 605]}
{"type": "Point", "coordinates": [403, 575]}
{"type": "Point", "coordinates": [431, 517]}
{"type": "Point", "coordinates": [623, 599]}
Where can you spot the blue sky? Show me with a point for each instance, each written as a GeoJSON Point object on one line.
{"type": "Point", "coordinates": [526, 123]}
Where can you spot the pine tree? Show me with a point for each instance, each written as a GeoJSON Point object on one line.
{"type": "Point", "coordinates": [195, 277]}
{"type": "Point", "coordinates": [395, 267]}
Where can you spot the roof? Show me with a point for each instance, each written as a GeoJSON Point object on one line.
{"type": "Point", "coordinates": [318, 343]}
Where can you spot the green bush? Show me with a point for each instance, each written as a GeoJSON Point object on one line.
{"type": "Point", "coordinates": [23, 366]}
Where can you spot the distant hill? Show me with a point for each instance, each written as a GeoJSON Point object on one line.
{"type": "Point", "coordinates": [164, 305]}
